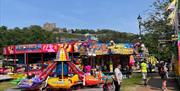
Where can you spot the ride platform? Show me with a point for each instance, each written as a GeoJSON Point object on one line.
{"type": "Point", "coordinates": [5, 77]}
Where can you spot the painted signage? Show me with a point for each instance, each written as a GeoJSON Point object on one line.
{"type": "Point", "coordinates": [28, 48]}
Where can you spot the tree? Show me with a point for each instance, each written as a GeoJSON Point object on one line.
{"type": "Point", "coordinates": [158, 30]}
{"type": "Point", "coordinates": [35, 34]}
{"type": "Point", "coordinates": [3, 28]}
{"type": "Point", "coordinates": [3, 33]}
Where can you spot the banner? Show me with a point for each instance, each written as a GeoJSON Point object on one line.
{"type": "Point", "coordinates": [121, 49]}
{"type": "Point", "coordinates": [9, 50]}
{"type": "Point", "coordinates": [28, 48]}
{"type": "Point", "coordinates": [50, 47]}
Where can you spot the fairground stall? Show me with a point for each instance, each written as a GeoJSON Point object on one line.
{"type": "Point", "coordinates": [106, 56]}
{"type": "Point", "coordinates": [30, 57]}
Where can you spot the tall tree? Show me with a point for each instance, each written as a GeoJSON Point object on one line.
{"type": "Point", "coordinates": [158, 30]}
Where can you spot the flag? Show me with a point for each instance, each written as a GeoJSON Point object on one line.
{"type": "Point", "coordinates": [172, 5]}
{"type": "Point", "coordinates": [171, 17]}
{"type": "Point", "coordinates": [171, 22]}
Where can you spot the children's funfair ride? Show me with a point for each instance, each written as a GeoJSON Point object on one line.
{"type": "Point", "coordinates": [62, 80]}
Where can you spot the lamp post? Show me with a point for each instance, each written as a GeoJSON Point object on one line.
{"type": "Point", "coordinates": [25, 60]}
{"type": "Point", "coordinates": [24, 54]}
{"type": "Point", "coordinates": [139, 18]}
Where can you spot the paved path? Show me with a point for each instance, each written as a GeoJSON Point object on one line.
{"type": "Point", "coordinates": [154, 84]}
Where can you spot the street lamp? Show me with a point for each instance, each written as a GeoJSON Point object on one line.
{"type": "Point", "coordinates": [139, 18]}
{"type": "Point", "coordinates": [24, 54]}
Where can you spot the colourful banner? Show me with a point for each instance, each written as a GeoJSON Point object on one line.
{"type": "Point", "coordinates": [121, 49]}
{"type": "Point", "coordinates": [9, 50]}
{"type": "Point", "coordinates": [35, 48]}
{"type": "Point", "coordinates": [98, 49]}
{"type": "Point", "coordinates": [31, 48]}
{"type": "Point", "coordinates": [178, 63]}
{"type": "Point", "coordinates": [102, 50]}
{"type": "Point", "coordinates": [179, 52]}
{"type": "Point", "coordinates": [49, 47]}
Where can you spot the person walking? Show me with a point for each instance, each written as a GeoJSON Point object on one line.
{"type": "Point", "coordinates": [164, 77]}
{"type": "Point", "coordinates": [118, 77]}
{"type": "Point", "coordinates": [144, 67]}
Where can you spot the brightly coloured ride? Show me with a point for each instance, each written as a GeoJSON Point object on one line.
{"type": "Point", "coordinates": [91, 80]}
{"type": "Point", "coordinates": [17, 77]}
{"type": "Point", "coordinates": [88, 80]}
{"type": "Point", "coordinates": [64, 82]}
{"type": "Point", "coordinates": [35, 82]}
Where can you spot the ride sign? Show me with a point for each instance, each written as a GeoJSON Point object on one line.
{"type": "Point", "coordinates": [31, 48]}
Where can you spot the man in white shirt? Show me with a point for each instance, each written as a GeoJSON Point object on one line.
{"type": "Point", "coordinates": [118, 77]}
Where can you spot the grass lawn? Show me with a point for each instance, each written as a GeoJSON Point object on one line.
{"type": "Point", "coordinates": [6, 84]}
{"type": "Point", "coordinates": [131, 83]}
{"type": "Point", "coordinates": [127, 84]}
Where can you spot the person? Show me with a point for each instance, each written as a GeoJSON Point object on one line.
{"type": "Point", "coordinates": [127, 71]}
{"type": "Point", "coordinates": [99, 74]}
{"type": "Point", "coordinates": [34, 66]}
{"type": "Point", "coordinates": [118, 77]}
{"type": "Point", "coordinates": [150, 67]}
{"type": "Point", "coordinates": [144, 72]}
{"type": "Point", "coordinates": [159, 67]}
{"type": "Point", "coordinates": [164, 77]}
{"type": "Point", "coordinates": [88, 70]}
{"type": "Point", "coordinates": [97, 67]}
{"type": "Point", "coordinates": [105, 68]}
{"type": "Point", "coordinates": [166, 69]}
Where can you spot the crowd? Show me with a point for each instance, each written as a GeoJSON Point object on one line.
{"type": "Point", "coordinates": [163, 70]}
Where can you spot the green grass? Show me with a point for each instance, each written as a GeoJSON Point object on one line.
{"type": "Point", "coordinates": [131, 83]}
{"type": "Point", "coordinates": [127, 84]}
{"type": "Point", "coordinates": [6, 84]}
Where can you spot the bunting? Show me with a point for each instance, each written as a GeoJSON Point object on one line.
{"type": "Point", "coordinates": [172, 16]}
{"type": "Point", "coordinates": [172, 5]}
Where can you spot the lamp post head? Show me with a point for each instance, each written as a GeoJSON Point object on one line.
{"type": "Point", "coordinates": [139, 18]}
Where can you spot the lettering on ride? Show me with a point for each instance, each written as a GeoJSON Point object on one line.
{"type": "Point", "coordinates": [30, 47]}
{"type": "Point", "coordinates": [49, 48]}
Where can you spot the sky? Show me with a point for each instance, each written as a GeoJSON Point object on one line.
{"type": "Point", "coordinates": [119, 15]}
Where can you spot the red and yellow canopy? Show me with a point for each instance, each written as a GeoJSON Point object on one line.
{"type": "Point", "coordinates": [62, 55]}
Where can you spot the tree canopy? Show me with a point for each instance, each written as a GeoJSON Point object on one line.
{"type": "Point", "coordinates": [157, 30]}
{"type": "Point", "coordinates": [36, 34]}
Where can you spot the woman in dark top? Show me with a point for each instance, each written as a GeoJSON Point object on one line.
{"type": "Point", "coordinates": [163, 72]}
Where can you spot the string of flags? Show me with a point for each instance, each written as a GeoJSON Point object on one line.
{"type": "Point", "coordinates": [172, 5]}
{"type": "Point", "coordinates": [173, 16]}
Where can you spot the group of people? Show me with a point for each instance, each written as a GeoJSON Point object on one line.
{"type": "Point", "coordinates": [162, 70]}
{"type": "Point", "coordinates": [119, 71]}
{"type": "Point", "coordinates": [118, 75]}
